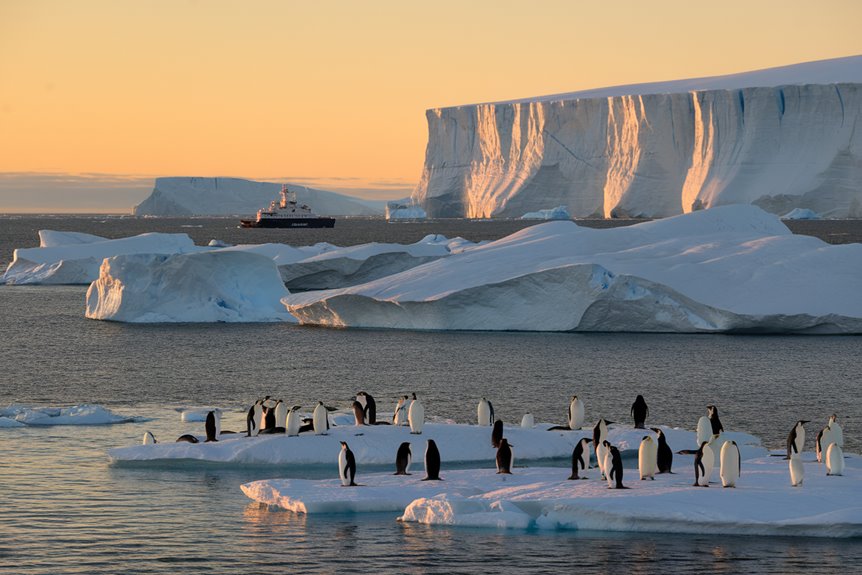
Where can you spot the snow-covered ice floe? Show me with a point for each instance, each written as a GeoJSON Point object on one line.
{"type": "Point", "coordinates": [763, 503]}
{"type": "Point", "coordinates": [558, 213]}
{"type": "Point", "coordinates": [74, 258]}
{"type": "Point", "coordinates": [727, 269]}
{"type": "Point", "coordinates": [17, 415]}
{"type": "Point", "coordinates": [378, 444]}
{"type": "Point", "coordinates": [215, 286]}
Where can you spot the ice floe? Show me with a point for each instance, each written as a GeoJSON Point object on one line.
{"type": "Point", "coordinates": [16, 415]}
{"type": "Point", "coordinates": [558, 213]}
{"type": "Point", "coordinates": [728, 269]}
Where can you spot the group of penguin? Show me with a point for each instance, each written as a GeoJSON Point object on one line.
{"type": "Point", "coordinates": [655, 456]}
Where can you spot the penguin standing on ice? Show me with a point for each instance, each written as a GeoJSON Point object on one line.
{"type": "Point", "coordinates": [797, 470]}
{"type": "Point", "coordinates": [497, 433]}
{"type": "Point", "coordinates": [320, 419]}
{"type": "Point", "coordinates": [505, 457]}
{"type": "Point", "coordinates": [639, 411]}
{"type": "Point", "coordinates": [528, 421]}
{"type": "Point", "coordinates": [616, 468]}
{"type": "Point", "coordinates": [704, 461]}
{"type": "Point", "coordinates": [403, 459]}
{"type": "Point", "coordinates": [575, 413]}
{"type": "Point", "coordinates": [149, 438]}
{"type": "Point", "coordinates": [796, 438]}
{"type": "Point", "coordinates": [647, 458]}
{"type": "Point", "coordinates": [664, 456]}
{"type": "Point", "coordinates": [210, 427]}
{"type": "Point", "coordinates": [580, 458]}
{"type": "Point", "coordinates": [294, 421]}
{"type": "Point", "coordinates": [369, 407]}
{"type": "Point", "coordinates": [731, 466]}
{"type": "Point", "coordinates": [432, 462]}
{"type": "Point", "coordinates": [714, 421]}
{"type": "Point", "coordinates": [358, 413]}
{"type": "Point", "coordinates": [834, 459]}
{"type": "Point", "coordinates": [485, 412]}
{"type": "Point", "coordinates": [400, 417]}
{"type": "Point", "coordinates": [346, 466]}
{"type": "Point", "coordinates": [254, 419]}
{"type": "Point", "coordinates": [600, 434]}
{"type": "Point", "coordinates": [281, 415]}
{"type": "Point", "coordinates": [416, 416]}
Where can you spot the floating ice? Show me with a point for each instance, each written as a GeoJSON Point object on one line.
{"type": "Point", "coordinates": [84, 414]}
{"type": "Point", "coordinates": [801, 214]}
{"type": "Point", "coordinates": [216, 286]}
{"type": "Point", "coordinates": [728, 269]}
{"type": "Point", "coordinates": [558, 213]}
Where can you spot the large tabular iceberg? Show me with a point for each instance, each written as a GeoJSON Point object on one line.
{"type": "Point", "coordinates": [729, 269]}
{"type": "Point", "coordinates": [214, 286]}
{"type": "Point", "coordinates": [780, 138]}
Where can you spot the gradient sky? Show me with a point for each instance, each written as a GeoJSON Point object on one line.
{"type": "Point", "coordinates": [99, 97]}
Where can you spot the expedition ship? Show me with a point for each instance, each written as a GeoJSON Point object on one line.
{"type": "Point", "coordinates": [286, 213]}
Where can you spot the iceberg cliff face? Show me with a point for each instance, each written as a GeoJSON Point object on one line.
{"type": "Point", "coordinates": [609, 154]}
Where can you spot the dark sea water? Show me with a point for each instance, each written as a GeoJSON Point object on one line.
{"type": "Point", "coordinates": [65, 509]}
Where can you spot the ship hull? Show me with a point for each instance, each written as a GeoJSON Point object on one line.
{"type": "Point", "coordinates": [289, 223]}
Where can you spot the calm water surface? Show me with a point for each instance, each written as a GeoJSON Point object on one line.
{"type": "Point", "coordinates": [64, 509]}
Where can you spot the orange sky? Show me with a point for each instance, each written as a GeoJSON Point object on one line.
{"type": "Point", "coordinates": [337, 90]}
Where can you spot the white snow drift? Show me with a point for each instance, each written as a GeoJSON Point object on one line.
{"type": "Point", "coordinates": [215, 286]}
{"type": "Point", "coordinates": [734, 268]}
{"type": "Point", "coordinates": [781, 138]}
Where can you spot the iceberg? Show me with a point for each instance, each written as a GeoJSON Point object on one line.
{"type": "Point", "coordinates": [75, 258]}
{"type": "Point", "coordinates": [729, 269]}
{"type": "Point", "coordinates": [189, 196]}
{"type": "Point", "coordinates": [800, 214]}
{"type": "Point", "coordinates": [211, 286]}
{"type": "Point", "coordinates": [781, 138]}
{"type": "Point", "coordinates": [404, 210]}
{"type": "Point", "coordinates": [558, 213]}
{"type": "Point", "coordinates": [17, 415]}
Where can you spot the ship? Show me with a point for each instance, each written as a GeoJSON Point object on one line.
{"type": "Point", "coordinates": [286, 213]}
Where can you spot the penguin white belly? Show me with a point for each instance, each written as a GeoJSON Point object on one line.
{"type": "Point", "coordinates": [483, 414]}
{"type": "Point", "coordinates": [293, 423]}
{"type": "Point", "coordinates": [342, 468]}
{"type": "Point", "coordinates": [528, 422]}
{"type": "Point", "coordinates": [729, 470]}
{"type": "Point", "coordinates": [577, 419]}
{"type": "Point", "coordinates": [647, 459]}
{"type": "Point", "coordinates": [704, 430]}
{"type": "Point", "coordinates": [601, 451]}
{"type": "Point", "coordinates": [319, 420]}
{"type": "Point", "coordinates": [797, 470]}
{"type": "Point", "coordinates": [837, 434]}
{"type": "Point", "coordinates": [217, 415]}
{"type": "Point", "coordinates": [708, 462]}
{"type": "Point", "coordinates": [826, 437]}
{"type": "Point", "coordinates": [607, 463]}
{"type": "Point", "coordinates": [416, 417]}
{"type": "Point", "coordinates": [281, 415]}
{"type": "Point", "coordinates": [834, 460]}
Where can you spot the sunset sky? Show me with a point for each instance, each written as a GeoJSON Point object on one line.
{"type": "Point", "coordinates": [97, 98]}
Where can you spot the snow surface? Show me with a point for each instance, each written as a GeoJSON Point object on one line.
{"type": "Point", "coordinates": [378, 444]}
{"type": "Point", "coordinates": [214, 286]}
{"type": "Point", "coordinates": [17, 415]}
{"type": "Point", "coordinates": [187, 196]}
{"type": "Point", "coordinates": [73, 258]}
{"type": "Point", "coordinates": [781, 138]}
{"type": "Point", "coordinates": [763, 503]}
{"type": "Point", "coordinates": [728, 269]}
{"type": "Point", "coordinates": [558, 213]}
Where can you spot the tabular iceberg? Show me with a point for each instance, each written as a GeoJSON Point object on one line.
{"type": "Point", "coordinates": [781, 138]}
{"type": "Point", "coordinates": [729, 269]}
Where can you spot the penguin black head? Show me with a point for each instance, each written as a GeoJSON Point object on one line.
{"type": "Point", "coordinates": [656, 429]}
{"type": "Point", "coordinates": [606, 443]}
{"type": "Point", "coordinates": [343, 445]}
{"type": "Point", "coordinates": [646, 437]}
{"type": "Point", "coordinates": [414, 395]}
{"type": "Point", "coordinates": [296, 408]}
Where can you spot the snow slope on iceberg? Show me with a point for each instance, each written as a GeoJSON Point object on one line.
{"type": "Point", "coordinates": [213, 286]}
{"type": "Point", "coordinates": [734, 268]}
{"type": "Point", "coordinates": [16, 415]}
{"type": "Point", "coordinates": [377, 445]}
{"type": "Point", "coordinates": [72, 258]}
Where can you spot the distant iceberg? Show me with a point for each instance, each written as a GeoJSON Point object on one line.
{"type": "Point", "coordinates": [729, 269]}
{"type": "Point", "coordinates": [404, 209]}
{"type": "Point", "coordinates": [558, 213]}
{"type": "Point", "coordinates": [17, 415]}
{"type": "Point", "coordinates": [801, 214]}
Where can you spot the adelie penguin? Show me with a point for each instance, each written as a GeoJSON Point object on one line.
{"type": "Point", "coordinates": [505, 457]}
{"type": "Point", "coordinates": [580, 458]}
{"type": "Point", "coordinates": [834, 460]}
{"type": "Point", "coordinates": [369, 406]}
{"type": "Point", "coordinates": [149, 438]}
{"type": "Point", "coordinates": [416, 416]}
{"type": "Point", "coordinates": [320, 419]}
{"type": "Point", "coordinates": [575, 413]}
{"type": "Point", "coordinates": [600, 434]}
{"type": "Point", "coordinates": [254, 419]}
{"type": "Point", "coordinates": [704, 461]}
{"type": "Point", "coordinates": [648, 458]}
{"type": "Point", "coordinates": [497, 433]}
{"type": "Point", "coordinates": [400, 416]}
{"type": "Point", "coordinates": [358, 413]}
{"type": "Point", "coordinates": [639, 412]}
{"type": "Point", "coordinates": [796, 438]}
{"type": "Point", "coordinates": [616, 471]}
{"type": "Point", "coordinates": [294, 421]}
{"type": "Point", "coordinates": [403, 459]}
{"type": "Point", "coordinates": [664, 457]}
{"type": "Point", "coordinates": [485, 412]}
{"type": "Point", "coordinates": [346, 466]}
{"type": "Point", "coordinates": [432, 462]}
{"type": "Point", "coordinates": [210, 426]}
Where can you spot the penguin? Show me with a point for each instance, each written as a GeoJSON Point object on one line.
{"type": "Point", "coordinates": [714, 421]}
{"type": "Point", "coordinates": [281, 414]}
{"type": "Point", "coordinates": [432, 462]}
{"type": "Point", "coordinates": [837, 431]}
{"type": "Point", "coordinates": [576, 413]}
{"type": "Point", "coordinates": [607, 462]}
{"type": "Point", "coordinates": [821, 443]}
{"type": "Point", "coordinates": [497, 433]}
{"type": "Point", "coordinates": [268, 402]}
{"type": "Point", "coordinates": [505, 457]}
{"type": "Point", "coordinates": [485, 412]}
{"type": "Point", "coordinates": [664, 457]}
{"type": "Point", "coordinates": [400, 417]}
{"type": "Point", "coordinates": [149, 438]}
{"type": "Point", "coordinates": [268, 417]}
{"type": "Point", "coordinates": [731, 466]}
{"type": "Point", "coordinates": [639, 411]}
{"type": "Point", "coordinates": [600, 433]}
{"type": "Point", "coordinates": [210, 427]}
{"type": "Point", "coordinates": [704, 430]}
{"type": "Point", "coordinates": [320, 419]}
{"type": "Point", "coordinates": [797, 470]}
{"type": "Point", "coordinates": [358, 413]}
{"type": "Point", "coordinates": [369, 406]}
{"type": "Point", "coordinates": [796, 438]}
{"type": "Point", "coordinates": [580, 457]}
{"type": "Point", "coordinates": [188, 438]}
{"type": "Point", "coordinates": [704, 461]}
{"type": "Point", "coordinates": [218, 431]}
{"type": "Point", "coordinates": [647, 457]}
{"type": "Point", "coordinates": [294, 421]}
{"type": "Point", "coordinates": [528, 422]}
{"type": "Point", "coordinates": [834, 459]}
{"type": "Point", "coordinates": [601, 455]}
{"type": "Point", "coordinates": [616, 468]}
{"type": "Point", "coordinates": [360, 397]}
{"type": "Point", "coordinates": [252, 421]}
{"type": "Point", "coordinates": [416, 416]}
{"type": "Point", "coordinates": [346, 466]}
{"type": "Point", "coordinates": [403, 459]}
